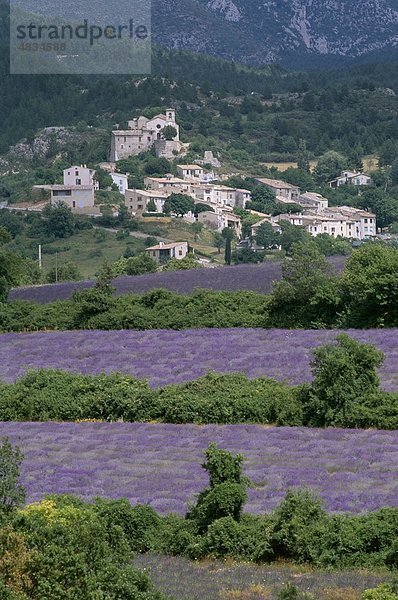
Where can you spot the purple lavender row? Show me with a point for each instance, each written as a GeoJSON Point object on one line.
{"type": "Point", "coordinates": [353, 470]}
{"type": "Point", "coordinates": [258, 278]}
{"type": "Point", "coordinates": [166, 356]}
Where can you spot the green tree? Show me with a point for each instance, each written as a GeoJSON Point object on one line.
{"type": "Point", "coordinates": [66, 272]}
{"type": "Point", "coordinates": [188, 262]}
{"type": "Point", "coordinates": [292, 234]}
{"type": "Point", "coordinates": [303, 158]}
{"type": "Point", "coordinates": [169, 132]}
{"type": "Point", "coordinates": [201, 207]}
{"type": "Point", "coordinates": [262, 200]}
{"type": "Point", "coordinates": [228, 235]}
{"type": "Point", "coordinates": [266, 236]}
{"type": "Point", "coordinates": [218, 240]}
{"type": "Point", "coordinates": [293, 521]}
{"type": "Point", "coordinates": [226, 493]}
{"type": "Point", "coordinates": [141, 264]}
{"type": "Point", "coordinates": [344, 377]}
{"type": "Point", "coordinates": [369, 287]}
{"type": "Point", "coordinates": [329, 166]}
{"type": "Point", "coordinates": [11, 269]}
{"type": "Point", "coordinates": [179, 204]}
{"type": "Point", "coordinates": [151, 206]}
{"type": "Point", "coordinates": [394, 172]}
{"type": "Point", "coordinates": [58, 220]}
{"type": "Point", "coordinates": [105, 181]}
{"type": "Point", "coordinates": [307, 294]}
{"type": "Point", "coordinates": [196, 229]}
{"type": "Point", "coordinates": [12, 493]}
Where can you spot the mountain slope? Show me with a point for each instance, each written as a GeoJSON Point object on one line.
{"type": "Point", "coordinates": [284, 30]}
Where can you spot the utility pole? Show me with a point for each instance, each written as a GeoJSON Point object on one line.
{"type": "Point", "coordinates": [40, 263]}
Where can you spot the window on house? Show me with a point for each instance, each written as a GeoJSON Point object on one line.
{"type": "Point", "coordinates": [180, 252]}
{"type": "Point", "coordinates": [78, 181]}
{"type": "Point", "coordinates": [76, 173]}
{"type": "Point", "coordinates": [74, 204]}
{"type": "Point", "coordinates": [139, 206]}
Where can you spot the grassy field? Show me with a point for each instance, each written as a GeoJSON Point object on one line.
{"type": "Point", "coordinates": [227, 580]}
{"type": "Point", "coordinates": [369, 164]}
{"type": "Point", "coordinates": [88, 250]}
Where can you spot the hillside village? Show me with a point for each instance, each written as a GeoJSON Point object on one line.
{"type": "Point", "coordinates": [198, 326]}
{"type": "Point", "coordinates": [218, 204]}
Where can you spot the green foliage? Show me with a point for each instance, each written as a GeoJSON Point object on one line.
{"type": "Point", "coordinates": [12, 493]}
{"type": "Point", "coordinates": [62, 548]}
{"type": "Point", "coordinates": [58, 220]}
{"type": "Point", "coordinates": [151, 206]}
{"type": "Point", "coordinates": [66, 272]}
{"type": "Point", "coordinates": [182, 264]}
{"type": "Point", "coordinates": [266, 236]}
{"type": "Point", "coordinates": [293, 523]}
{"type": "Point", "coordinates": [226, 494]}
{"type": "Point", "coordinates": [382, 592]}
{"type": "Point", "coordinates": [11, 268]}
{"type": "Point", "coordinates": [329, 166]}
{"type": "Point", "coordinates": [369, 287]}
{"type": "Point", "coordinates": [169, 132]}
{"type": "Point", "coordinates": [306, 296]}
{"type": "Point", "coordinates": [138, 265]}
{"type": "Point", "coordinates": [345, 378]}
{"type": "Point", "coordinates": [179, 204]}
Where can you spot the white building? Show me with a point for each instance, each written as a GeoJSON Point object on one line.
{"type": "Point", "coordinates": [162, 252]}
{"type": "Point", "coordinates": [350, 178]}
{"type": "Point", "coordinates": [191, 172]}
{"type": "Point", "coordinates": [221, 196]}
{"type": "Point", "coordinates": [80, 176]}
{"type": "Point", "coordinates": [121, 180]}
{"type": "Point", "coordinates": [79, 198]}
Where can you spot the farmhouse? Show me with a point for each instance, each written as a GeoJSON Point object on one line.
{"type": "Point", "coordinates": [350, 178]}
{"type": "Point", "coordinates": [191, 172]}
{"type": "Point", "coordinates": [80, 176]}
{"type": "Point", "coordinates": [220, 219]}
{"type": "Point", "coordinates": [79, 198]}
{"type": "Point", "coordinates": [137, 201]}
{"type": "Point", "coordinates": [162, 252]}
{"type": "Point", "coordinates": [281, 188]}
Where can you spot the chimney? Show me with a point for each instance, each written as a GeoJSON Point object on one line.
{"type": "Point", "coordinates": [160, 244]}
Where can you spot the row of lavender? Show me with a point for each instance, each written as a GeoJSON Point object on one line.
{"type": "Point", "coordinates": [353, 471]}
{"type": "Point", "coordinates": [166, 357]}
{"type": "Point", "coordinates": [257, 278]}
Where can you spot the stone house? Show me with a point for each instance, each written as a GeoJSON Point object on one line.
{"type": "Point", "coordinates": [142, 134]}
{"type": "Point", "coordinates": [137, 201]}
{"type": "Point", "coordinates": [162, 252]}
{"type": "Point", "coordinates": [281, 188]}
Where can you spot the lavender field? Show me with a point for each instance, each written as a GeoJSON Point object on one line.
{"type": "Point", "coordinates": [256, 278]}
{"type": "Point", "coordinates": [353, 470]}
{"type": "Point", "coordinates": [167, 356]}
